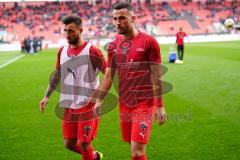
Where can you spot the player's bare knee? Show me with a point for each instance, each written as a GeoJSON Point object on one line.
{"type": "Point", "coordinates": [138, 153]}
{"type": "Point", "coordinates": [137, 149]}
{"type": "Point", "coordinates": [69, 145]}
{"type": "Point", "coordinates": [85, 145]}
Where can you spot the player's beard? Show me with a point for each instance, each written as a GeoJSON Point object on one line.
{"type": "Point", "coordinates": [124, 30]}
{"type": "Point", "coordinates": [121, 31]}
{"type": "Point", "coordinates": [73, 40]}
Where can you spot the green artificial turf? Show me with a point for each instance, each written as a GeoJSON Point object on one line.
{"type": "Point", "coordinates": [203, 109]}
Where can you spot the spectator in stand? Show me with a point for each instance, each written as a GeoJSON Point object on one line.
{"type": "Point", "coordinates": [27, 44]}
{"type": "Point", "coordinates": [22, 46]}
{"type": "Point", "coordinates": [35, 44]}
{"type": "Point", "coordinates": [40, 43]}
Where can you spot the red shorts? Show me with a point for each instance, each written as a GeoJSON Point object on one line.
{"type": "Point", "coordinates": [83, 130]}
{"type": "Point", "coordinates": [136, 123]}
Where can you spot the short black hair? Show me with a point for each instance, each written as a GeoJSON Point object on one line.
{"type": "Point", "coordinates": [72, 19]}
{"type": "Point", "coordinates": [122, 5]}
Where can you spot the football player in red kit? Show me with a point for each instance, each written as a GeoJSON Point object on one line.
{"type": "Point", "coordinates": [130, 55]}
{"type": "Point", "coordinates": [180, 43]}
{"type": "Point", "coordinates": [77, 134]}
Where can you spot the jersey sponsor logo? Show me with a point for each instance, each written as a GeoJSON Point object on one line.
{"type": "Point", "coordinates": [140, 50]}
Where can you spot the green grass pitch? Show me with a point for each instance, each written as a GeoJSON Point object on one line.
{"type": "Point", "coordinates": [203, 109]}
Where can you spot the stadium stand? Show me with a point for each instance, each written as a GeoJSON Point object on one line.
{"type": "Point", "coordinates": [42, 19]}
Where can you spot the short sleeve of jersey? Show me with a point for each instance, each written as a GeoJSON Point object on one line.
{"type": "Point", "coordinates": [154, 56]}
{"type": "Point", "coordinates": [97, 59]}
{"type": "Point", "coordinates": [58, 58]}
{"type": "Point", "coordinates": [153, 51]}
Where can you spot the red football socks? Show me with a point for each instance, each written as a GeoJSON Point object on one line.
{"type": "Point", "coordinates": [140, 158]}
{"type": "Point", "coordinates": [78, 148]}
{"type": "Point", "coordinates": [88, 154]}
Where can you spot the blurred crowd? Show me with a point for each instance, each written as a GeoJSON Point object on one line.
{"type": "Point", "coordinates": [31, 46]}
{"type": "Point", "coordinates": [42, 18]}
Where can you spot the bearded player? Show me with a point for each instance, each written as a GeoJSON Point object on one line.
{"type": "Point", "coordinates": [130, 55]}
{"type": "Point", "coordinates": [76, 62]}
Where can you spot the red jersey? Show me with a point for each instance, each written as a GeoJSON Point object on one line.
{"type": "Point", "coordinates": [132, 60]}
{"type": "Point", "coordinates": [180, 36]}
{"type": "Point", "coordinates": [98, 62]}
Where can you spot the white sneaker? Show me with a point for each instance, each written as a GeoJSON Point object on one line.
{"type": "Point", "coordinates": [98, 155]}
{"type": "Point", "coordinates": [180, 62]}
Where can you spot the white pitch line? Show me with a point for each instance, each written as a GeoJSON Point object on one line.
{"type": "Point", "coordinates": [11, 61]}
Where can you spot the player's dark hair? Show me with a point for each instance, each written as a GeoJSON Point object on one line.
{"type": "Point", "coordinates": [122, 5]}
{"type": "Point", "coordinates": [72, 19]}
